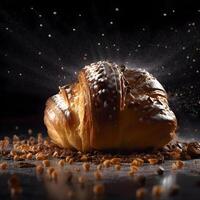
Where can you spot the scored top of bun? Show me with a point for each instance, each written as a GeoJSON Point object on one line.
{"type": "Point", "coordinates": [114, 87]}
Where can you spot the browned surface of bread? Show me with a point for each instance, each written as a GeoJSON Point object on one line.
{"type": "Point", "coordinates": [111, 107]}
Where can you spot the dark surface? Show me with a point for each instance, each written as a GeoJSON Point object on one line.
{"type": "Point", "coordinates": [118, 184]}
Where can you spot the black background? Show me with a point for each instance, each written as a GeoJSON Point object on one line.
{"type": "Point", "coordinates": [160, 36]}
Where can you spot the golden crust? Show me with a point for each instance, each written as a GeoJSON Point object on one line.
{"type": "Point", "coordinates": [111, 107]}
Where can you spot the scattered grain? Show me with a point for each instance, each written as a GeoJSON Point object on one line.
{"type": "Point", "coordinates": [46, 163]}
{"type": "Point", "coordinates": [140, 193]}
{"type": "Point", "coordinates": [61, 163]}
{"type": "Point", "coordinates": [86, 167]}
{"type": "Point", "coordinates": [3, 165]}
{"type": "Point", "coordinates": [106, 163]}
{"type": "Point", "coordinates": [98, 175]}
{"type": "Point", "coordinates": [118, 167]}
{"type": "Point", "coordinates": [98, 189]}
{"type": "Point", "coordinates": [153, 161]}
{"type": "Point", "coordinates": [39, 169]}
{"type": "Point", "coordinates": [157, 190]}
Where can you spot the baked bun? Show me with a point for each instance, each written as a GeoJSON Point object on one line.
{"type": "Point", "coordinates": [110, 107]}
